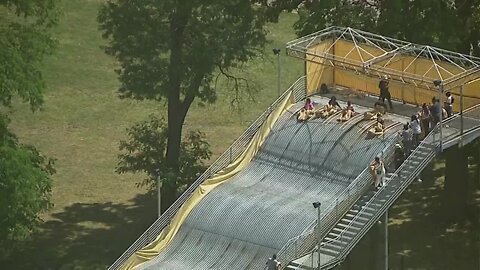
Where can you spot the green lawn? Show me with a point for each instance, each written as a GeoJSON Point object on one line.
{"type": "Point", "coordinates": [98, 213]}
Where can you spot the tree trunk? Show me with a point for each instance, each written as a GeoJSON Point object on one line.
{"type": "Point", "coordinates": [176, 117]}
{"type": "Point", "coordinates": [456, 183]}
{"type": "Point", "coordinates": [169, 194]}
{"type": "Point", "coordinates": [176, 112]}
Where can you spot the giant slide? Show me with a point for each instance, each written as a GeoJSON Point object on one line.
{"type": "Point", "coordinates": [242, 222]}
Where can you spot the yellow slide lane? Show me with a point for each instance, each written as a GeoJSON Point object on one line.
{"type": "Point", "coordinates": [168, 233]}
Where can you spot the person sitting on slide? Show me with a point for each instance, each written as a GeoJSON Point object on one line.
{"type": "Point", "coordinates": [378, 108]}
{"type": "Point", "coordinates": [378, 128]}
{"type": "Point", "coordinates": [306, 111]}
{"type": "Point", "coordinates": [347, 112]}
{"type": "Point", "coordinates": [329, 109]}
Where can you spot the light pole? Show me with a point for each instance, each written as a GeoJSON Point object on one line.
{"type": "Point", "coordinates": [386, 240]}
{"type": "Point", "coordinates": [461, 113]}
{"type": "Point", "coordinates": [276, 51]}
{"type": "Point", "coordinates": [159, 192]}
{"type": "Point", "coordinates": [439, 84]}
{"type": "Point", "coordinates": [317, 205]}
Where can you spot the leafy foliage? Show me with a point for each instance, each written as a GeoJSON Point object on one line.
{"type": "Point", "coordinates": [176, 50]}
{"type": "Point", "coordinates": [25, 183]}
{"type": "Point", "coordinates": [316, 15]}
{"type": "Point", "coordinates": [432, 22]}
{"type": "Point", "coordinates": [24, 41]}
{"type": "Point", "coordinates": [145, 152]}
{"type": "Point", "coordinates": [25, 186]}
{"type": "Point", "coordinates": [159, 43]}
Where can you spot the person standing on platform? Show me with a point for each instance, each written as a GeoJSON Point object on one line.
{"type": "Point", "coordinates": [406, 139]}
{"type": "Point", "coordinates": [384, 92]}
{"type": "Point", "coordinates": [377, 169]}
{"type": "Point", "coordinates": [424, 115]}
{"type": "Point", "coordinates": [435, 112]}
{"type": "Point", "coordinates": [416, 131]}
{"type": "Point", "coordinates": [449, 104]}
{"type": "Point", "coordinates": [399, 155]}
{"type": "Point", "coordinates": [273, 263]}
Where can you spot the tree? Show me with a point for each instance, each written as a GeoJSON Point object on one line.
{"type": "Point", "coordinates": [174, 50]}
{"type": "Point", "coordinates": [316, 15]}
{"type": "Point", "coordinates": [24, 41]}
{"type": "Point", "coordinates": [455, 196]}
{"type": "Point", "coordinates": [452, 25]}
{"type": "Point", "coordinates": [25, 187]}
{"type": "Point", "coordinates": [145, 152]}
{"type": "Point", "coordinates": [416, 21]}
{"type": "Point", "coordinates": [25, 183]}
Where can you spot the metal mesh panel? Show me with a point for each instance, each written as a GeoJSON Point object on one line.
{"type": "Point", "coordinates": [453, 128]}
{"type": "Point", "coordinates": [226, 158]}
{"type": "Point", "coordinates": [269, 202]}
{"type": "Point", "coordinates": [304, 243]}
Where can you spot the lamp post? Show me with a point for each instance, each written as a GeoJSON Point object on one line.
{"type": "Point", "coordinates": [317, 205]}
{"type": "Point", "coordinates": [276, 51]}
{"type": "Point", "coordinates": [439, 84]}
{"type": "Point", "coordinates": [159, 192]}
{"type": "Point", "coordinates": [461, 113]}
{"type": "Point", "coordinates": [386, 240]}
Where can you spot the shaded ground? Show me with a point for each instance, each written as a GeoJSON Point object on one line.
{"type": "Point", "coordinates": [419, 235]}
{"type": "Point", "coordinates": [85, 236]}
{"type": "Point", "coordinates": [97, 213]}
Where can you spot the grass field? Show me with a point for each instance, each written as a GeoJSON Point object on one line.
{"type": "Point", "coordinates": [98, 213]}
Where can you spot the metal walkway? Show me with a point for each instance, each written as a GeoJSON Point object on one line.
{"type": "Point", "coordinates": [244, 221]}
{"type": "Point", "coordinates": [340, 240]}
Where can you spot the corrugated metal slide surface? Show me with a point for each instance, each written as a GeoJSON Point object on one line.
{"type": "Point", "coordinates": [244, 221]}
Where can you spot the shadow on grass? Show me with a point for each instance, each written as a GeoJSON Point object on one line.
{"type": "Point", "coordinates": [420, 237]}
{"type": "Point", "coordinates": [85, 236]}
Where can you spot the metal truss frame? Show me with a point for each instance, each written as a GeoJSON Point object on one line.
{"type": "Point", "coordinates": [467, 68]}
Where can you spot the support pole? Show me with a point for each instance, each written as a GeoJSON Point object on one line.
{"type": "Point", "coordinates": [276, 51]}
{"type": "Point", "coordinates": [461, 111]}
{"type": "Point", "coordinates": [317, 205]}
{"type": "Point", "coordinates": [386, 239]}
{"type": "Point", "coordinates": [440, 98]}
{"type": "Point", "coordinates": [278, 74]}
{"type": "Point", "coordinates": [159, 193]}
{"type": "Point", "coordinates": [319, 240]}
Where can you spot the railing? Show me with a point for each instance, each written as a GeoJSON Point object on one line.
{"type": "Point", "coordinates": [232, 152]}
{"type": "Point", "coordinates": [400, 181]}
{"type": "Point", "coordinates": [301, 245]}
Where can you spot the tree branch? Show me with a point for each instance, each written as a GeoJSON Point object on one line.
{"type": "Point", "coordinates": [237, 84]}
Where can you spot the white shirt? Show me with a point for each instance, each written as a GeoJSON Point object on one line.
{"type": "Point", "coordinates": [415, 125]}
{"type": "Point", "coordinates": [380, 168]}
{"type": "Point", "coordinates": [449, 100]}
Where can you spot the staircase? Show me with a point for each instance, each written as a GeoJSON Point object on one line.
{"type": "Point", "coordinates": [367, 210]}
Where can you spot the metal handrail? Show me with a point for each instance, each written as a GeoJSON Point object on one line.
{"type": "Point", "coordinates": [230, 154]}
{"type": "Point", "coordinates": [401, 187]}
{"type": "Point", "coordinates": [347, 198]}
{"type": "Point", "coordinates": [364, 231]}
{"type": "Point", "coordinates": [365, 174]}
